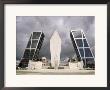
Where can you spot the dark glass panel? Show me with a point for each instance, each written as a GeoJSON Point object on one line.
{"type": "Point", "coordinates": [26, 53]}
{"type": "Point", "coordinates": [34, 43]}
{"type": "Point", "coordinates": [77, 34]}
{"type": "Point", "coordinates": [36, 35]}
{"type": "Point", "coordinates": [32, 50]}
{"type": "Point", "coordinates": [32, 53]}
{"type": "Point", "coordinates": [29, 43]}
{"type": "Point", "coordinates": [79, 42]}
{"type": "Point", "coordinates": [89, 59]}
{"type": "Point", "coordinates": [85, 43]}
{"type": "Point", "coordinates": [81, 52]}
{"type": "Point", "coordinates": [39, 45]}
{"type": "Point", "coordinates": [88, 52]}
{"type": "Point", "coordinates": [36, 54]}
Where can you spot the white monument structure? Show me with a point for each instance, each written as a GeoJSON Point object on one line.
{"type": "Point", "coordinates": [55, 49]}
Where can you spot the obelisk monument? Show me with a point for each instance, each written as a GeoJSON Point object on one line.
{"type": "Point", "coordinates": [55, 49]}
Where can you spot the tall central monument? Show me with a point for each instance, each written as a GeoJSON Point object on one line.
{"type": "Point", "coordinates": [55, 49]}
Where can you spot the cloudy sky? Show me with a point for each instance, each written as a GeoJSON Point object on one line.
{"type": "Point", "coordinates": [25, 25]}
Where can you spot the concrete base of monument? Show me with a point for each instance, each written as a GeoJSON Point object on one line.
{"type": "Point", "coordinates": [55, 72]}
{"type": "Point", "coordinates": [76, 65]}
{"type": "Point", "coordinates": [34, 65]}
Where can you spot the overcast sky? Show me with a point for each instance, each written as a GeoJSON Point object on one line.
{"type": "Point", "coordinates": [25, 25]}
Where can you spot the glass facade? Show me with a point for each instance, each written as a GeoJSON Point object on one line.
{"type": "Point", "coordinates": [79, 42]}
{"type": "Point", "coordinates": [32, 49]}
{"type": "Point", "coordinates": [34, 43]}
{"type": "Point", "coordinates": [36, 35]}
{"type": "Point", "coordinates": [81, 46]}
{"type": "Point", "coordinates": [81, 52]}
{"type": "Point", "coordinates": [85, 43]}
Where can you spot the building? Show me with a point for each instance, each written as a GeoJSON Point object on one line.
{"type": "Point", "coordinates": [32, 49]}
{"type": "Point", "coordinates": [55, 49]}
{"type": "Point", "coordinates": [82, 48]}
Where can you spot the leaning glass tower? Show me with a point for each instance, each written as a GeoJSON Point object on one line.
{"type": "Point", "coordinates": [82, 48]}
{"type": "Point", "coordinates": [32, 49]}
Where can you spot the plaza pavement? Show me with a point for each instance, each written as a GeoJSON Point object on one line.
{"type": "Point", "coordinates": [55, 72]}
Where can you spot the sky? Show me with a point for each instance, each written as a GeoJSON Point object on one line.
{"type": "Point", "coordinates": [25, 25]}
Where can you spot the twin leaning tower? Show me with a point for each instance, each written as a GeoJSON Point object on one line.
{"type": "Point", "coordinates": [78, 39]}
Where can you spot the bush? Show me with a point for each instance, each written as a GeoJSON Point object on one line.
{"type": "Point", "coordinates": [60, 67]}
{"type": "Point", "coordinates": [50, 67]}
